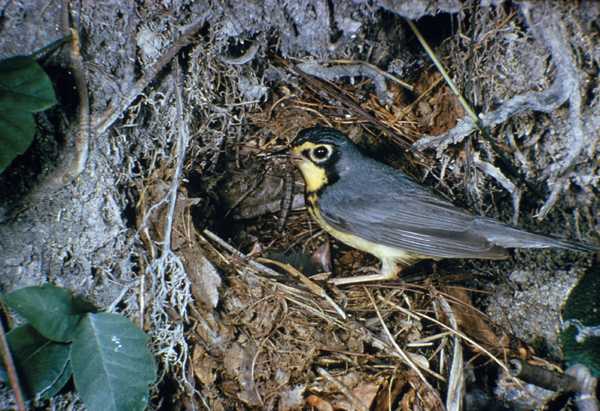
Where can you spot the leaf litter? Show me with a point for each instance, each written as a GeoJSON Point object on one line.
{"type": "Point", "coordinates": [232, 332]}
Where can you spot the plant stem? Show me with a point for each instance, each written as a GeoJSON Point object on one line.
{"type": "Point", "coordinates": [445, 74]}
{"type": "Point", "coordinates": [9, 364]}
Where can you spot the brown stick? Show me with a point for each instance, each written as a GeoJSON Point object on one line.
{"type": "Point", "coordinates": [310, 284]}
{"type": "Point", "coordinates": [82, 140]}
{"type": "Point", "coordinates": [13, 378]}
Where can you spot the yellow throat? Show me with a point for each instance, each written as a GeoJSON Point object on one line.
{"type": "Point", "coordinates": [314, 176]}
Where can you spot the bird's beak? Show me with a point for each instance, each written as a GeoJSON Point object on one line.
{"type": "Point", "coordinates": [295, 156]}
{"type": "Point", "coordinates": [288, 152]}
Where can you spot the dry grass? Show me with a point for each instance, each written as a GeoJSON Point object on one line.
{"type": "Point", "coordinates": [279, 340]}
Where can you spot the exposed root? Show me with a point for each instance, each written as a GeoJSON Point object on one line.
{"type": "Point", "coordinates": [78, 136]}
{"type": "Point", "coordinates": [350, 70]}
{"type": "Point", "coordinates": [170, 287]}
{"type": "Point", "coordinates": [118, 106]}
{"type": "Point", "coordinates": [546, 26]}
{"type": "Point", "coordinates": [496, 174]}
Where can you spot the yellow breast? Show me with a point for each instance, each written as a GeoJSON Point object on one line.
{"type": "Point", "coordinates": [383, 252]}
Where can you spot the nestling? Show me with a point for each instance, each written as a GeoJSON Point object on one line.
{"type": "Point", "coordinates": [378, 209]}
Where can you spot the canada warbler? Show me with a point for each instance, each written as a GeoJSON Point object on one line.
{"type": "Point", "coordinates": [378, 209]}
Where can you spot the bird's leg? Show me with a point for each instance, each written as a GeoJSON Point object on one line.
{"type": "Point", "coordinates": [389, 271]}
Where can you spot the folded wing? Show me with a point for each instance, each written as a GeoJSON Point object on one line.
{"type": "Point", "coordinates": [419, 222]}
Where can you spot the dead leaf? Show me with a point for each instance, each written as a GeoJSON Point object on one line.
{"type": "Point", "coordinates": [206, 281]}
{"type": "Point", "coordinates": [318, 403]}
{"type": "Point", "coordinates": [238, 364]}
{"type": "Point", "coordinates": [388, 396]}
{"type": "Point", "coordinates": [472, 322]}
{"type": "Point", "coordinates": [204, 365]}
{"type": "Point", "coordinates": [364, 391]}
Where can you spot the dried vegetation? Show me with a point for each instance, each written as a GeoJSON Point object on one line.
{"type": "Point", "coordinates": [189, 147]}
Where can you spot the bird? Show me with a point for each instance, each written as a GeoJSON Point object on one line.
{"type": "Point", "coordinates": [378, 209]}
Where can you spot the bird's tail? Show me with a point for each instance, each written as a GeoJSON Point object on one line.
{"type": "Point", "coordinates": [511, 237]}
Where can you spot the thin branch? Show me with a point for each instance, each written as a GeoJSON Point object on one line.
{"type": "Point", "coordinates": [496, 174]}
{"type": "Point", "coordinates": [78, 135]}
{"type": "Point", "coordinates": [13, 377]}
{"type": "Point", "coordinates": [182, 143]}
{"type": "Point", "coordinates": [442, 70]}
{"type": "Point", "coordinates": [542, 377]}
{"type": "Point", "coordinates": [456, 380]}
{"type": "Point", "coordinates": [354, 69]}
{"type": "Point", "coordinates": [82, 140]}
{"type": "Point", "coordinates": [441, 324]}
{"type": "Point", "coordinates": [392, 340]}
{"type": "Point", "coordinates": [311, 285]}
{"type": "Point", "coordinates": [246, 57]}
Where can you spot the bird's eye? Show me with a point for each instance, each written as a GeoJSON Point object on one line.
{"type": "Point", "coordinates": [321, 153]}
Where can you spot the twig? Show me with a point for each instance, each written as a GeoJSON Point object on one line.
{"type": "Point", "coordinates": [355, 69]}
{"type": "Point", "coordinates": [78, 141]}
{"type": "Point", "coordinates": [182, 143]}
{"type": "Point", "coordinates": [114, 111]}
{"type": "Point", "coordinates": [311, 285]}
{"type": "Point", "coordinates": [9, 364]}
{"type": "Point", "coordinates": [251, 263]}
{"type": "Point", "coordinates": [456, 380]}
{"type": "Point", "coordinates": [441, 324]}
{"type": "Point", "coordinates": [356, 402]}
{"type": "Point", "coordinates": [378, 70]}
{"type": "Point", "coordinates": [496, 174]}
{"type": "Point", "coordinates": [392, 341]}
{"type": "Point", "coordinates": [82, 141]}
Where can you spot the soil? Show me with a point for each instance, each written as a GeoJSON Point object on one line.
{"type": "Point", "coordinates": [180, 209]}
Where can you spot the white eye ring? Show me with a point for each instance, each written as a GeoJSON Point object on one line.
{"type": "Point", "coordinates": [320, 154]}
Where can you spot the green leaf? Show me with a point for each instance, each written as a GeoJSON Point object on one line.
{"type": "Point", "coordinates": [586, 352]}
{"type": "Point", "coordinates": [42, 365]}
{"type": "Point", "coordinates": [52, 311]}
{"type": "Point", "coordinates": [17, 130]}
{"type": "Point", "coordinates": [24, 86]}
{"type": "Point", "coordinates": [580, 339]}
{"type": "Point", "coordinates": [112, 366]}
{"type": "Point", "coordinates": [24, 89]}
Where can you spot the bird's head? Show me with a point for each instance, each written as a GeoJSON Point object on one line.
{"type": "Point", "coordinates": [319, 152]}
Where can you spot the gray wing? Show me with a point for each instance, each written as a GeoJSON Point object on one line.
{"type": "Point", "coordinates": [415, 220]}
